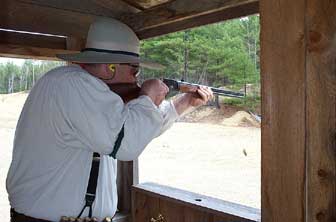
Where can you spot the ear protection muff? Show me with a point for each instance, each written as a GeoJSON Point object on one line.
{"type": "Point", "coordinates": [112, 68]}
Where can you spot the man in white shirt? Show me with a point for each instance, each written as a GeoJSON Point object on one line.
{"type": "Point", "coordinates": [71, 113]}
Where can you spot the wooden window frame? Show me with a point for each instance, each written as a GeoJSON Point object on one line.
{"type": "Point", "coordinates": [298, 96]}
{"type": "Point", "coordinates": [298, 160]}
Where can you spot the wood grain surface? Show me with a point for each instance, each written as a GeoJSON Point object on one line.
{"type": "Point", "coordinates": [298, 107]}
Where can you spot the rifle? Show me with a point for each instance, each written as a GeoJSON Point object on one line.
{"type": "Point", "coordinates": [187, 87]}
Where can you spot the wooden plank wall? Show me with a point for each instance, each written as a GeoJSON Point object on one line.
{"type": "Point", "coordinates": [298, 68]}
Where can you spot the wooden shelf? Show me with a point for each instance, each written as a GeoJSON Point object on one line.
{"type": "Point", "coordinates": [122, 217]}
{"type": "Point", "coordinates": [152, 198]}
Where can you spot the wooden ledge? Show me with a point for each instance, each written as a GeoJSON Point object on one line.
{"type": "Point", "coordinates": [122, 217]}
{"type": "Point", "coordinates": [204, 203]}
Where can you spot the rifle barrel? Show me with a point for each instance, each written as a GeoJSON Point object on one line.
{"type": "Point", "coordinates": [176, 85]}
{"type": "Point", "coordinates": [222, 92]}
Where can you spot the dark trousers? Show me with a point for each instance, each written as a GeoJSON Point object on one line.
{"type": "Point", "coordinates": [17, 217]}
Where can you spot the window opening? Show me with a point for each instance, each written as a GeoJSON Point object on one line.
{"type": "Point", "coordinates": [17, 76]}
{"type": "Point", "coordinates": [214, 150]}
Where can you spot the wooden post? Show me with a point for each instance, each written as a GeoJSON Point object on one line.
{"type": "Point", "coordinates": [321, 110]}
{"type": "Point", "coordinates": [127, 176]}
{"type": "Point", "coordinates": [298, 66]}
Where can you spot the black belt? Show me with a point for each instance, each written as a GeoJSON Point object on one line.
{"type": "Point", "coordinates": [18, 217]}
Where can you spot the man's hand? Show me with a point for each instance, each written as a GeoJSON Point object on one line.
{"type": "Point", "coordinates": [200, 97]}
{"type": "Point", "coordinates": [204, 95]}
{"type": "Point", "coordinates": [155, 89]}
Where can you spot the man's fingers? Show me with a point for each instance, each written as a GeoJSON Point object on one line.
{"type": "Point", "coordinates": [205, 93]}
{"type": "Point", "coordinates": [208, 92]}
{"type": "Point", "coordinates": [155, 89]}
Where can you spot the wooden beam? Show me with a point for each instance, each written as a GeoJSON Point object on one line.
{"type": "Point", "coordinates": [32, 40]}
{"type": "Point", "coordinates": [105, 8]}
{"type": "Point", "coordinates": [27, 52]}
{"type": "Point", "coordinates": [145, 4]}
{"type": "Point", "coordinates": [16, 15]}
{"type": "Point", "coordinates": [23, 16]}
{"type": "Point", "coordinates": [283, 110]}
{"type": "Point", "coordinates": [298, 54]}
{"type": "Point", "coordinates": [33, 46]}
{"type": "Point", "coordinates": [321, 110]}
{"type": "Point", "coordinates": [134, 4]}
{"type": "Point", "coordinates": [225, 14]}
{"type": "Point", "coordinates": [178, 10]}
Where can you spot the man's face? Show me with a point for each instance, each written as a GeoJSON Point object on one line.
{"type": "Point", "coordinates": [126, 73]}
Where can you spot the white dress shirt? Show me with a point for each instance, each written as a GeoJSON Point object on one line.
{"type": "Point", "coordinates": [68, 115]}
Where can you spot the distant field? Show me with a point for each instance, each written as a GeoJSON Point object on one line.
{"type": "Point", "coordinates": [214, 160]}
{"type": "Point", "coordinates": [209, 153]}
{"type": "Point", "coordinates": [10, 108]}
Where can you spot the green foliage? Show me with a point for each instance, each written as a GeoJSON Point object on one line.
{"type": "Point", "coordinates": [219, 55]}
{"type": "Point", "coordinates": [14, 78]}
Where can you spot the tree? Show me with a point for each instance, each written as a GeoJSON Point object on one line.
{"type": "Point", "coordinates": [14, 78]}
{"type": "Point", "coordinates": [220, 54]}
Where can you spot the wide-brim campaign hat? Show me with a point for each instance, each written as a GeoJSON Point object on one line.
{"type": "Point", "coordinates": [110, 41]}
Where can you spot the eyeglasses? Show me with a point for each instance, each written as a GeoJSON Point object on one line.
{"type": "Point", "coordinates": [135, 67]}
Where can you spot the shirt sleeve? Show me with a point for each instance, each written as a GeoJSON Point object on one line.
{"type": "Point", "coordinates": [168, 113]}
{"type": "Point", "coordinates": [92, 117]}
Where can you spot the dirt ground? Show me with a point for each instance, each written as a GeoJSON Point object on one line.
{"type": "Point", "coordinates": [214, 160]}
{"type": "Point", "coordinates": [215, 152]}
{"type": "Point", "coordinates": [10, 108]}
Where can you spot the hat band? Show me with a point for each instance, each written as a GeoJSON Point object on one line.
{"type": "Point", "coordinates": [111, 51]}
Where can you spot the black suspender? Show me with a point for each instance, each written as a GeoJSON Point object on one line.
{"type": "Point", "coordinates": [94, 172]}
{"type": "Point", "coordinates": [118, 143]}
{"type": "Point", "coordinates": [92, 185]}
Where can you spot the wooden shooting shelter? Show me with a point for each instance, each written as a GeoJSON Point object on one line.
{"type": "Point", "coordinates": [298, 72]}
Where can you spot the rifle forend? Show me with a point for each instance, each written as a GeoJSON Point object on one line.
{"type": "Point", "coordinates": [187, 87]}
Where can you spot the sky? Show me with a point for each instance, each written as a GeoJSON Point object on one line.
{"type": "Point", "coordinates": [18, 62]}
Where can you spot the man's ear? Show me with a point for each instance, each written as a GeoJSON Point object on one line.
{"type": "Point", "coordinates": [108, 70]}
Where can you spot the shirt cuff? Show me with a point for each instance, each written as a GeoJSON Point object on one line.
{"type": "Point", "coordinates": [143, 100]}
{"type": "Point", "coordinates": [169, 114]}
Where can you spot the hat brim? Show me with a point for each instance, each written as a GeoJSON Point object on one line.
{"type": "Point", "coordinates": [101, 57]}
